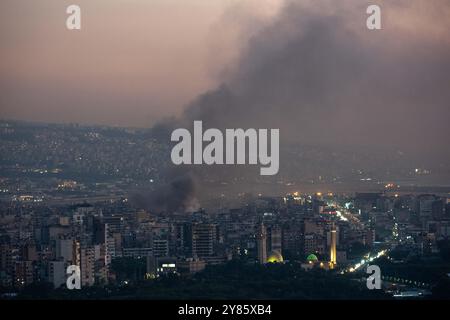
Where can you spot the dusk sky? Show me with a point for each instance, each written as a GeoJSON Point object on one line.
{"type": "Point", "coordinates": [133, 61]}
{"type": "Point", "coordinates": [136, 62]}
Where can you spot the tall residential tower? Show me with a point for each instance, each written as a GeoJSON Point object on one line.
{"type": "Point", "coordinates": [262, 244]}
{"type": "Point", "coordinates": [333, 247]}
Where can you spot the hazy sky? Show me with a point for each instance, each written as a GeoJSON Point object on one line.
{"type": "Point", "coordinates": [313, 69]}
{"type": "Point", "coordinates": [316, 72]}
{"type": "Point", "coordinates": [133, 61]}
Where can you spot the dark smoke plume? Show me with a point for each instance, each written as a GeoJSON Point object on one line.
{"type": "Point", "coordinates": [177, 195]}
{"type": "Point", "coordinates": [317, 73]}
{"type": "Point", "coordinates": [323, 78]}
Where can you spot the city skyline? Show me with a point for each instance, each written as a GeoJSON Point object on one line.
{"type": "Point", "coordinates": [224, 150]}
{"type": "Point", "coordinates": [310, 68]}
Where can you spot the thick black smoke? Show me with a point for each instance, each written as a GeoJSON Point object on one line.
{"type": "Point", "coordinates": [319, 75]}
{"type": "Point", "coordinates": [177, 195]}
{"type": "Point", "coordinates": [323, 78]}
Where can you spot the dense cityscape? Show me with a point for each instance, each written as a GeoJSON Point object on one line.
{"type": "Point", "coordinates": [224, 158]}
{"type": "Point", "coordinates": [70, 196]}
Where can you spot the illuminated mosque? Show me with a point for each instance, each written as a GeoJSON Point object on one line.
{"type": "Point", "coordinates": [313, 262]}
{"type": "Point", "coordinates": [275, 256]}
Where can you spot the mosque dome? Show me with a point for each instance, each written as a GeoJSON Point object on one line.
{"type": "Point", "coordinates": [274, 257]}
{"type": "Point", "coordinates": [312, 258]}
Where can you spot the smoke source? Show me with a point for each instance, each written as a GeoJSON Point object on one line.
{"type": "Point", "coordinates": [178, 195]}
{"type": "Point", "coordinates": [316, 72]}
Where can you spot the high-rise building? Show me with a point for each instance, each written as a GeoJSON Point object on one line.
{"type": "Point", "coordinates": [313, 243]}
{"type": "Point", "coordinates": [110, 246]}
{"type": "Point", "coordinates": [177, 239]}
{"type": "Point", "coordinates": [292, 241]}
{"type": "Point", "coordinates": [275, 236]}
{"type": "Point", "coordinates": [160, 247]}
{"type": "Point", "coordinates": [437, 209]}
{"type": "Point", "coordinates": [76, 253]}
{"type": "Point", "coordinates": [87, 266]}
{"type": "Point", "coordinates": [115, 223]}
{"type": "Point", "coordinates": [429, 206]}
{"type": "Point", "coordinates": [261, 238]}
{"type": "Point", "coordinates": [6, 265]}
{"type": "Point", "coordinates": [101, 267]}
{"type": "Point", "coordinates": [333, 247]}
{"type": "Point", "coordinates": [57, 273]}
{"type": "Point", "coordinates": [29, 252]}
{"type": "Point", "coordinates": [369, 237]}
{"type": "Point", "coordinates": [117, 237]}
{"type": "Point", "coordinates": [203, 239]}
{"type": "Point", "coordinates": [23, 273]}
{"type": "Point", "coordinates": [99, 231]}
{"type": "Point", "coordinates": [65, 250]}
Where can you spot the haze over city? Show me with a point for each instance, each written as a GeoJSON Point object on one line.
{"type": "Point", "coordinates": [309, 67]}
{"type": "Point", "coordinates": [95, 203]}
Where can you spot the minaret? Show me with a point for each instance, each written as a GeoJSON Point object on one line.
{"type": "Point", "coordinates": [333, 246]}
{"type": "Point", "coordinates": [262, 244]}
